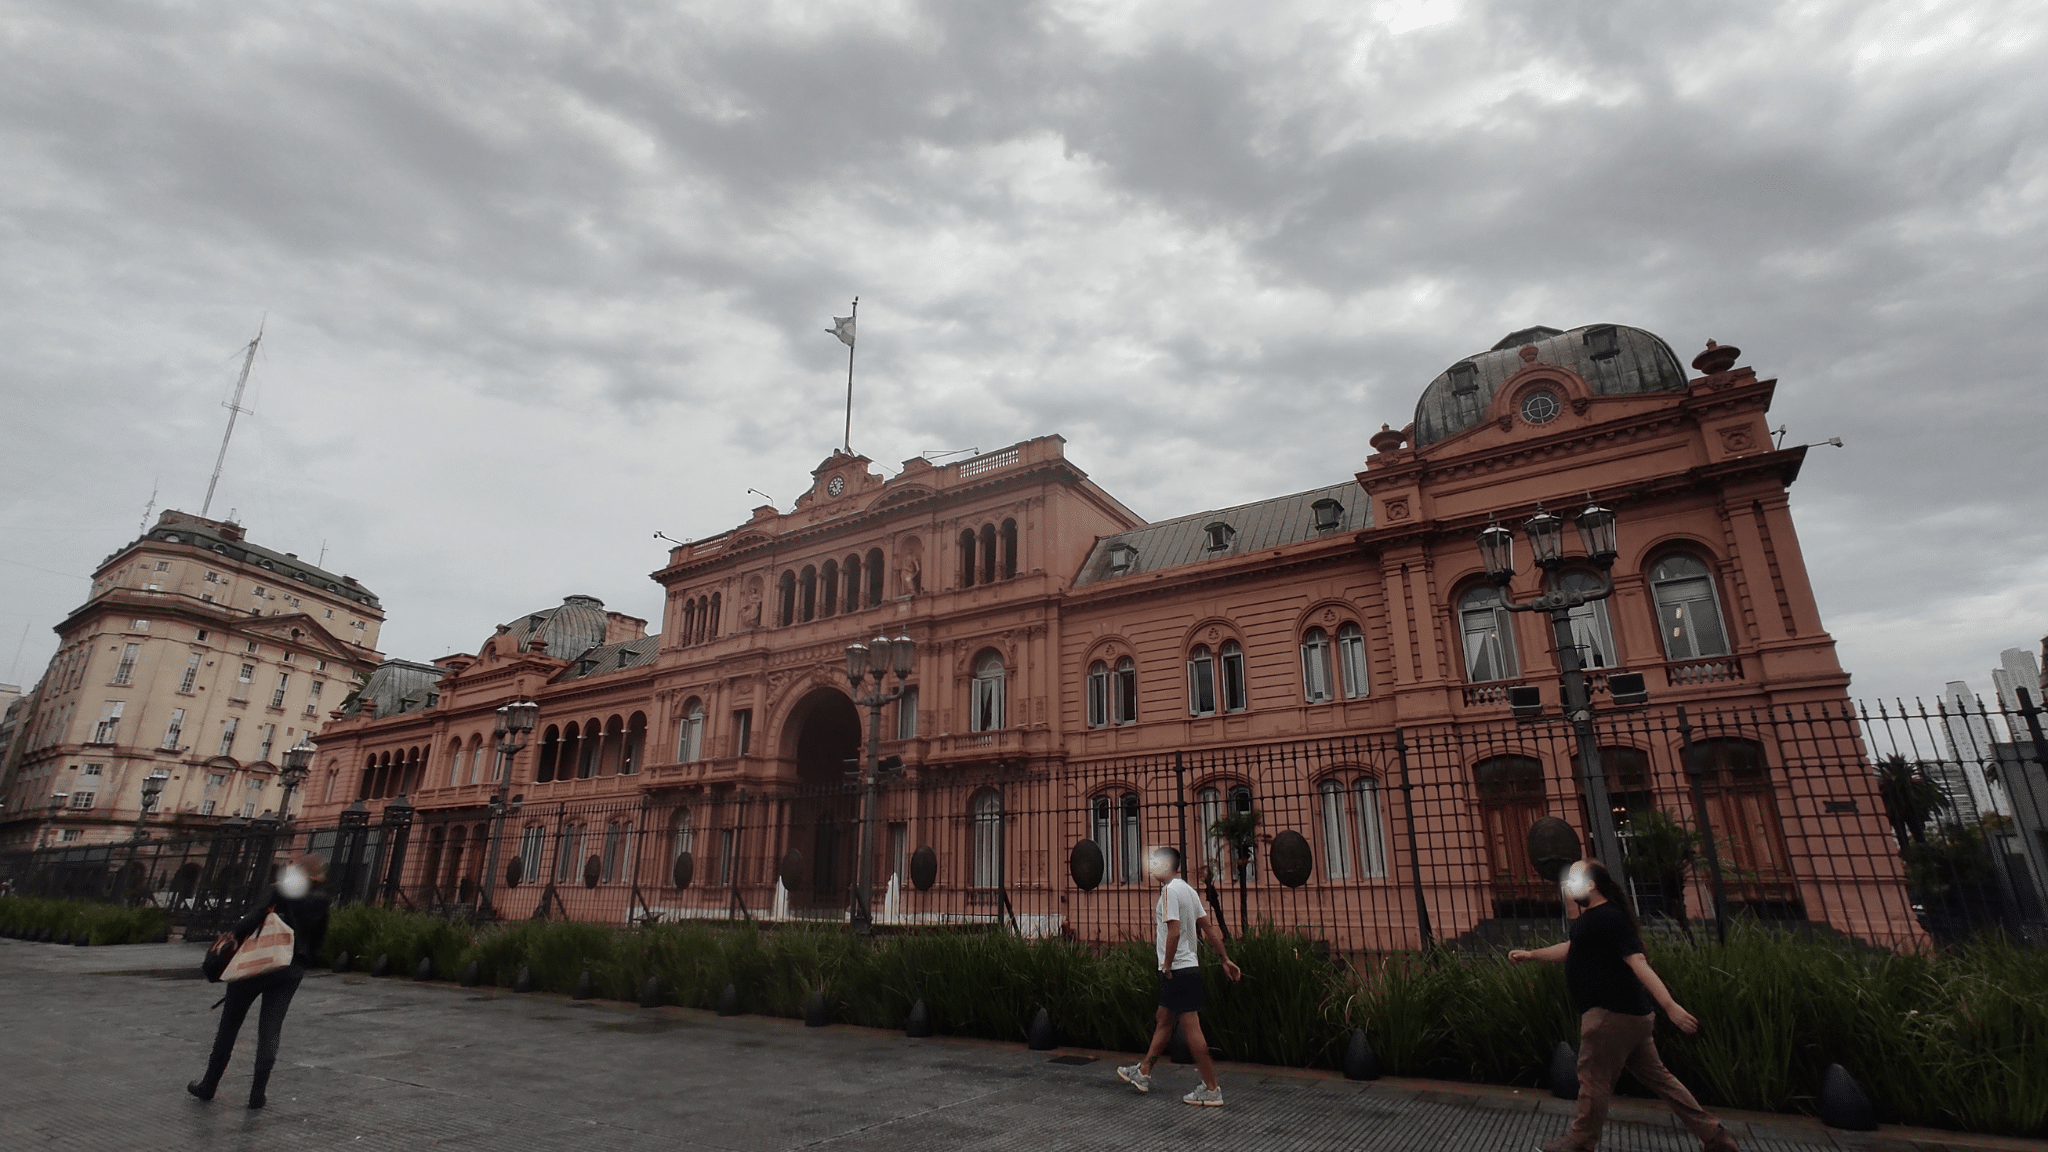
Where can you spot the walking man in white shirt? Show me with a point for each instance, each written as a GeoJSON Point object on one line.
{"type": "Point", "coordinates": [1177, 918]}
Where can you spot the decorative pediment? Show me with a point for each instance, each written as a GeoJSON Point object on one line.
{"type": "Point", "coordinates": [301, 629]}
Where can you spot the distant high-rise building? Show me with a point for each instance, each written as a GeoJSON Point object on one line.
{"type": "Point", "coordinates": [197, 659]}
{"type": "Point", "coordinates": [1969, 775]}
{"type": "Point", "coordinates": [2016, 669]}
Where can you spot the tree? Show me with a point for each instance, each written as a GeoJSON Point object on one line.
{"type": "Point", "coordinates": [1911, 800]}
{"type": "Point", "coordinates": [1659, 849]}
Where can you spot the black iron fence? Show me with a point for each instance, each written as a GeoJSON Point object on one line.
{"type": "Point", "coordinates": [1899, 826]}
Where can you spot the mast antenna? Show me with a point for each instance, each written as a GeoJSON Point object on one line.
{"type": "Point", "coordinates": [150, 507]}
{"type": "Point", "coordinates": [235, 409]}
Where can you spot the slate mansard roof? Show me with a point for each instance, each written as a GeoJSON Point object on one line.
{"type": "Point", "coordinates": [396, 686]}
{"type": "Point", "coordinates": [612, 658]}
{"type": "Point", "coordinates": [1265, 524]}
{"type": "Point", "coordinates": [1614, 360]}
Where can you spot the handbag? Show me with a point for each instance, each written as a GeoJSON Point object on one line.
{"type": "Point", "coordinates": [218, 956]}
{"type": "Point", "coordinates": [267, 950]}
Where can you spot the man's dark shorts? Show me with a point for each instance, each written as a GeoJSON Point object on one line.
{"type": "Point", "coordinates": [1182, 993]}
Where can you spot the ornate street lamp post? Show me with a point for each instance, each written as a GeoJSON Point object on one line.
{"type": "Point", "coordinates": [353, 826]}
{"type": "Point", "coordinates": [515, 724]}
{"type": "Point", "coordinates": [298, 761]}
{"type": "Point", "coordinates": [874, 659]}
{"type": "Point", "coordinates": [152, 787]}
{"type": "Point", "coordinates": [1545, 533]}
{"type": "Point", "coordinates": [56, 805]}
{"type": "Point", "coordinates": [397, 832]}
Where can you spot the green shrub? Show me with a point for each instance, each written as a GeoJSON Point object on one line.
{"type": "Point", "coordinates": [99, 923]}
{"type": "Point", "coordinates": [1952, 1039]}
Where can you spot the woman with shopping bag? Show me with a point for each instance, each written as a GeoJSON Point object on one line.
{"type": "Point", "coordinates": [266, 956]}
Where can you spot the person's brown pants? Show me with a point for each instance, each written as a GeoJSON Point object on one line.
{"type": "Point", "coordinates": [1610, 1042]}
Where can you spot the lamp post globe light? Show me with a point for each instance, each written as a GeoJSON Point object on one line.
{"type": "Point", "coordinates": [1545, 533]}
{"type": "Point", "coordinates": [515, 725]}
{"type": "Point", "coordinates": [875, 659]}
{"type": "Point", "coordinates": [152, 787]}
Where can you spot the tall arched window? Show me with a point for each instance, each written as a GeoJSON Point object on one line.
{"type": "Point", "coordinates": [1489, 631]}
{"type": "Point", "coordinates": [613, 759]}
{"type": "Point", "coordinates": [712, 632]}
{"type": "Point", "coordinates": [987, 848]}
{"type": "Point", "coordinates": [1354, 834]}
{"type": "Point", "coordinates": [1009, 549]}
{"type": "Point", "coordinates": [1591, 631]}
{"type": "Point", "coordinates": [455, 762]}
{"type": "Point", "coordinates": [1315, 666]}
{"type": "Point", "coordinates": [690, 739]}
{"type": "Point", "coordinates": [689, 621]}
{"type": "Point", "coordinates": [1118, 832]}
{"type": "Point", "coordinates": [593, 749]}
{"type": "Point", "coordinates": [967, 569]}
{"type": "Point", "coordinates": [572, 751]}
{"type": "Point", "coordinates": [785, 600]}
{"type": "Point", "coordinates": [683, 841]}
{"type": "Point", "coordinates": [988, 553]}
{"type": "Point", "coordinates": [1215, 803]}
{"type": "Point", "coordinates": [1510, 790]}
{"type": "Point", "coordinates": [1098, 696]}
{"type": "Point", "coordinates": [568, 853]}
{"type": "Point", "coordinates": [550, 748]}
{"type": "Point", "coordinates": [807, 591]}
{"type": "Point", "coordinates": [849, 570]}
{"type": "Point", "coordinates": [615, 834]}
{"type": "Point", "coordinates": [1201, 682]}
{"type": "Point", "coordinates": [1231, 659]}
{"type": "Point", "coordinates": [1351, 660]}
{"type": "Point", "coordinates": [875, 572]}
{"type": "Point", "coordinates": [1123, 692]}
{"type": "Point", "coordinates": [828, 585]}
{"type": "Point", "coordinates": [531, 843]}
{"type": "Point", "coordinates": [476, 761]}
{"type": "Point", "coordinates": [986, 695]}
{"type": "Point", "coordinates": [636, 737]}
{"type": "Point", "coordinates": [1688, 613]}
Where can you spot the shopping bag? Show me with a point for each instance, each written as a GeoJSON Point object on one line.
{"type": "Point", "coordinates": [268, 950]}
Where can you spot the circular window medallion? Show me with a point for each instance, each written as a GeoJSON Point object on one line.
{"type": "Point", "coordinates": [1541, 406]}
{"type": "Point", "coordinates": [838, 483]}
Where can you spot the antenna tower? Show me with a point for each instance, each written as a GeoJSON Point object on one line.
{"type": "Point", "coordinates": [235, 409]}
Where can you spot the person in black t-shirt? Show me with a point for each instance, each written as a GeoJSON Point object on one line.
{"type": "Point", "coordinates": [301, 903]}
{"type": "Point", "coordinates": [1616, 992]}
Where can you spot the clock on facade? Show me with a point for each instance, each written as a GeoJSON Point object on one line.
{"type": "Point", "coordinates": [837, 485]}
{"type": "Point", "coordinates": [1541, 407]}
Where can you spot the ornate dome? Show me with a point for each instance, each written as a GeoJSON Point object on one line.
{"type": "Point", "coordinates": [1612, 359]}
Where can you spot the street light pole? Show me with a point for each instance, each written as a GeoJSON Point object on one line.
{"type": "Point", "coordinates": [1545, 533]}
{"type": "Point", "coordinates": [874, 659]}
{"type": "Point", "coordinates": [152, 787]}
{"type": "Point", "coordinates": [56, 805]}
{"type": "Point", "coordinates": [515, 723]}
{"type": "Point", "coordinates": [298, 761]}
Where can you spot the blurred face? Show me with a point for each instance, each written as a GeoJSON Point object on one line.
{"type": "Point", "coordinates": [1578, 884]}
{"type": "Point", "coordinates": [1159, 866]}
{"type": "Point", "coordinates": [294, 883]}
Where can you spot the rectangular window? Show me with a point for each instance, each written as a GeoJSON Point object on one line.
{"type": "Point", "coordinates": [259, 592]}
{"type": "Point", "coordinates": [1351, 660]}
{"type": "Point", "coordinates": [1336, 832]}
{"type": "Point", "coordinates": [725, 861]}
{"type": "Point", "coordinates": [206, 808]}
{"type": "Point", "coordinates": [1202, 684]}
{"type": "Point", "coordinates": [1233, 678]}
{"type": "Point", "coordinates": [906, 714]}
{"type": "Point", "coordinates": [93, 770]}
{"type": "Point", "coordinates": [199, 636]}
{"type": "Point", "coordinates": [82, 799]}
{"type": "Point", "coordinates": [69, 834]}
{"type": "Point", "coordinates": [313, 691]}
{"type": "Point", "coordinates": [1098, 696]}
{"type": "Point", "coordinates": [110, 721]}
{"type": "Point", "coordinates": [163, 565]}
{"type": "Point", "coordinates": [174, 729]}
{"type": "Point", "coordinates": [213, 577]}
{"type": "Point", "coordinates": [269, 738]}
{"type": "Point", "coordinates": [206, 596]}
{"type": "Point", "coordinates": [191, 673]}
{"type": "Point", "coordinates": [125, 670]}
{"type": "Point", "coordinates": [743, 732]}
{"type": "Point", "coordinates": [319, 665]}
{"type": "Point", "coordinates": [899, 851]}
{"type": "Point", "coordinates": [139, 626]}
{"type": "Point", "coordinates": [987, 714]}
{"type": "Point", "coordinates": [227, 736]}
{"type": "Point", "coordinates": [248, 673]}
{"type": "Point", "coordinates": [287, 657]}
{"type": "Point", "coordinates": [284, 680]}
{"type": "Point", "coordinates": [216, 779]}
{"type": "Point", "coordinates": [530, 844]}
{"type": "Point", "coordinates": [1124, 692]}
{"type": "Point", "coordinates": [1372, 836]}
{"type": "Point", "coordinates": [1489, 638]}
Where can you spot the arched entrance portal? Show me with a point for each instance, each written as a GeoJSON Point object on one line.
{"type": "Point", "coordinates": [824, 729]}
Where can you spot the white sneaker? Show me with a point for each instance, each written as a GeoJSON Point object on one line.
{"type": "Point", "coordinates": [1134, 1075]}
{"type": "Point", "coordinates": [1206, 1096]}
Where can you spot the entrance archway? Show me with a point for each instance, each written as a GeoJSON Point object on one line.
{"type": "Point", "coordinates": [824, 730]}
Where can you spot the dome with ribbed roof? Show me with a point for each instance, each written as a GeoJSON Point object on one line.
{"type": "Point", "coordinates": [570, 629]}
{"type": "Point", "coordinates": [1614, 360]}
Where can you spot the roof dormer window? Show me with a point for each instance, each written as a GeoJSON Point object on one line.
{"type": "Point", "coordinates": [1464, 379]}
{"type": "Point", "coordinates": [1219, 535]}
{"type": "Point", "coordinates": [1122, 558]}
{"type": "Point", "coordinates": [1602, 342]}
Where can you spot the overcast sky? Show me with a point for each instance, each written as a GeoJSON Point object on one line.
{"type": "Point", "coordinates": [543, 279]}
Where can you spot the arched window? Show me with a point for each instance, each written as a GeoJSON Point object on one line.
{"type": "Point", "coordinates": [1098, 697]}
{"type": "Point", "coordinates": [850, 571]}
{"type": "Point", "coordinates": [1118, 832]}
{"type": "Point", "coordinates": [1215, 803]}
{"type": "Point", "coordinates": [636, 738]}
{"type": "Point", "coordinates": [712, 632]}
{"type": "Point", "coordinates": [1009, 549]}
{"type": "Point", "coordinates": [875, 574]}
{"type": "Point", "coordinates": [618, 838]}
{"type": "Point", "coordinates": [986, 696]}
{"type": "Point", "coordinates": [987, 848]}
{"type": "Point", "coordinates": [690, 739]}
{"type": "Point", "coordinates": [689, 620]}
{"type": "Point", "coordinates": [703, 620]}
{"type": "Point", "coordinates": [614, 747]}
{"type": "Point", "coordinates": [1511, 798]}
{"type": "Point", "coordinates": [1351, 660]}
{"type": "Point", "coordinates": [807, 589]}
{"type": "Point", "coordinates": [1354, 834]}
{"type": "Point", "coordinates": [785, 600]}
{"type": "Point", "coordinates": [572, 751]}
{"type": "Point", "coordinates": [568, 853]}
{"type": "Point", "coordinates": [550, 748]}
{"type": "Point", "coordinates": [683, 841]}
{"type": "Point", "coordinates": [1315, 666]}
{"type": "Point", "coordinates": [476, 761]}
{"type": "Point", "coordinates": [593, 749]}
{"type": "Point", "coordinates": [828, 584]}
{"type": "Point", "coordinates": [1688, 613]}
{"type": "Point", "coordinates": [1231, 658]}
{"type": "Point", "coordinates": [1489, 631]}
{"type": "Point", "coordinates": [1201, 682]}
{"type": "Point", "coordinates": [967, 558]}
{"type": "Point", "coordinates": [1123, 692]}
{"type": "Point", "coordinates": [988, 553]}
{"type": "Point", "coordinates": [531, 843]}
{"type": "Point", "coordinates": [1591, 632]}
{"type": "Point", "coordinates": [455, 762]}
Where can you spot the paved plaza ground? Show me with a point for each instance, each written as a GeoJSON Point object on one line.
{"type": "Point", "coordinates": [99, 1042]}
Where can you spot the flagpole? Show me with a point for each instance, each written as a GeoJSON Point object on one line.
{"type": "Point", "coordinates": [849, 375]}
